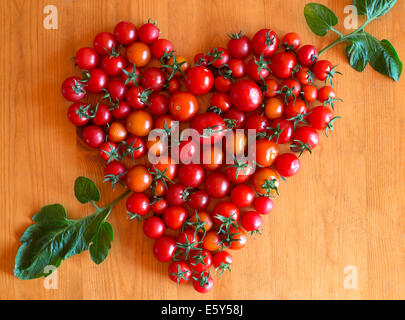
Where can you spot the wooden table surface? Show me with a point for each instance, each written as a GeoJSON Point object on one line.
{"type": "Point", "coordinates": [344, 211]}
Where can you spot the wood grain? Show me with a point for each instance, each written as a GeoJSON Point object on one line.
{"type": "Point", "coordinates": [345, 207]}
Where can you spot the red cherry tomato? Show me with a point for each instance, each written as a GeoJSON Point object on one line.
{"type": "Point", "coordinates": [291, 41]}
{"type": "Point", "coordinates": [161, 46]}
{"type": "Point", "coordinates": [264, 42]}
{"type": "Point", "coordinates": [237, 117]}
{"type": "Point", "coordinates": [97, 80]}
{"type": "Point", "coordinates": [164, 248]}
{"type": "Point", "coordinates": [239, 45]}
{"type": "Point", "coordinates": [86, 58]}
{"type": "Point", "coordinates": [263, 205]}
{"type": "Point", "coordinates": [113, 64]}
{"type": "Point", "coordinates": [251, 221]}
{"type": "Point", "coordinates": [125, 32]}
{"type": "Point", "coordinates": [79, 114]}
{"type": "Point", "coordinates": [138, 204]}
{"type": "Point", "coordinates": [183, 105]}
{"type": "Point", "coordinates": [287, 164]}
{"type": "Point", "coordinates": [199, 80]}
{"type": "Point", "coordinates": [191, 175]}
{"type": "Point", "coordinates": [204, 283]}
{"type": "Point", "coordinates": [218, 57]}
{"type": "Point", "coordinates": [199, 200]}
{"type": "Point", "coordinates": [159, 206]}
{"type": "Point", "coordinates": [320, 117]}
{"type": "Point", "coordinates": [179, 272]}
{"type": "Point", "coordinates": [217, 185]}
{"type": "Point", "coordinates": [221, 100]}
{"type": "Point", "coordinates": [174, 217]}
{"type": "Point", "coordinates": [246, 95]}
{"type": "Point", "coordinates": [305, 135]}
{"type": "Point", "coordinates": [154, 227]}
{"type": "Point", "coordinates": [242, 195]}
{"type": "Point", "coordinates": [210, 126]}
{"type": "Point", "coordinates": [238, 68]}
{"type": "Point", "coordinates": [148, 33]}
{"type": "Point", "coordinates": [104, 42]}
{"type": "Point", "coordinates": [93, 136]}
{"type": "Point", "coordinates": [222, 84]}
{"type": "Point", "coordinates": [283, 64]}
{"type": "Point", "coordinates": [153, 78]}
{"type": "Point", "coordinates": [307, 55]}
{"type": "Point", "coordinates": [200, 260]}
{"type": "Point", "coordinates": [285, 129]}
{"type": "Point", "coordinates": [73, 89]}
{"type": "Point", "coordinates": [310, 93]}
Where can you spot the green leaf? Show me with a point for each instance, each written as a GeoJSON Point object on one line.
{"type": "Point", "coordinates": [101, 243]}
{"type": "Point", "coordinates": [86, 190]}
{"type": "Point", "coordinates": [319, 18]}
{"type": "Point", "coordinates": [373, 8]}
{"type": "Point", "coordinates": [53, 238]}
{"type": "Point", "coordinates": [381, 55]}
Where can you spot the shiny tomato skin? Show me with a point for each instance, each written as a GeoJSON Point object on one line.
{"type": "Point", "coordinates": [117, 132]}
{"type": "Point", "coordinates": [160, 46]}
{"type": "Point", "coordinates": [205, 288]}
{"type": "Point", "coordinates": [283, 64]}
{"type": "Point", "coordinates": [74, 117]}
{"type": "Point", "coordinates": [97, 81]}
{"type": "Point", "coordinates": [225, 209]}
{"type": "Point", "coordinates": [158, 104]}
{"type": "Point", "coordinates": [86, 58]}
{"type": "Point", "coordinates": [245, 95]}
{"type": "Point", "coordinates": [217, 185]}
{"type": "Point", "coordinates": [240, 236]}
{"type": "Point", "coordinates": [310, 93]}
{"type": "Point", "coordinates": [69, 93]}
{"type": "Point", "coordinates": [183, 106]}
{"type": "Point", "coordinates": [321, 69]}
{"type": "Point", "coordinates": [222, 84]}
{"type": "Point", "coordinates": [175, 194]}
{"type": "Point", "coordinates": [293, 108]}
{"type": "Point", "coordinates": [237, 116]}
{"type": "Point", "coordinates": [221, 100]}
{"type": "Point", "coordinates": [199, 80]}
{"type": "Point", "coordinates": [181, 267]}
{"type": "Point", "coordinates": [154, 227]}
{"type": "Point", "coordinates": [138, 53]}
{"type": "Point", "coordinates": [121, 110]}
{"type": "Point", "coordinates": [307, 55]}
{"type": "Point", "coordinates": [117, 90]}
{"type": "Point", "coordinates": [115, 168]}
{"type": "Point", "coordinates": [205, 121]}
{"type": "Point", "coordinates": [125, 32]}
{"type": "Point", "coordinates": [222, 257]}
{"type": "Point", "coordinates": [242, 195]}
{"type": "Point", "coordinates": [199, 200]}
{"type": "Point", "coordinates": [266, 152]}
{"type": "Point", "coordinates": [106, 149]}
{"type": "Point", "coordinates": [222, 59]}
{"type": "Point", "coordinates": [173, 85]}
{"type": "Point", "coordinates": [243, 174]}
{"type": "Point", "coordinates": [239, 47]}
{"type": "Point", "coordinates": [134, 147]}
{"type": "Point", "coordinates": [259, 178]}
{"type": "Point", "coordinates": [104, 42]}
{"type": "Point", "coordinates": [153, 78]}
{"type": "Point", "coordinates": [287, 164]}
{"type": "Point", "coordinates": [263, 205]}
{"type": "Point", "coordinates": [291, 40]}
{"type": "Point", "coordinates": [164, 248]}
{"type": "Point", "coordinates": [271, 88]}
{"type": "Point", "coordinates": [252, 70]}
{"type": "Point", "coordinates": [139, 123]}
{"type": "Point", "coordinates": [307, 134]}
{"type": "Point", "coordinates": [136, 73]}
{"type": "Point", "coordinates": [148, 33]}
{"type": "Point", "coordinates": [93, 136]}
{"type": "Point", "coordinates": [274, 108]}
{"type": "Point", "coordinates": [212, 240]}
{"type": "Point", "coordinates": [286, 133]}
{"type": "Point", "coordinates": [251, 221]}
{"type": "Point", "coordinates": [138, 203]}
{"type": "Point", "coordinates": [199, 267]}
{"type": "Point", "coordinates": [257, 121]}
{"type": "Point", "coordinates": [160, 206]}
{"type": "Point", "coordinates": [265, 41]}
{"type": "Point", "coordinates": [138, 178]}
{"type": "Point", "coordinates": [191, 175]}
{"type": "Point", "coordinates": [113, 66]}
{"type": "Point", "coordinates": [325, 93]}
{"type": "Point", "coordinates": [174, 217]}
{"type": "Point", "coordinates": [238, 68]}
{"type": "Point", "coordinates": [320, 117]}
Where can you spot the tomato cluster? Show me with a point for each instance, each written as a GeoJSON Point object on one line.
{"type": "Point", "coordinates": [264, 84]}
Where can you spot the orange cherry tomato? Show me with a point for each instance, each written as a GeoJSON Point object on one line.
{"type": "Point", "coordinates": [266, 181]}
{"type": "Point", "coordinates": [212, 241]}
{"type": "Point", "coordinates": [183, 105]}
{"type": "Point", "coordinates": [158, 188]}
{"type": "Point", "coordinates": [160, 122]}
{"type": "Point", "coordinates": [139, 123]}
{"type": "Point", "coordinates": [183, 67]}
{"type": "Point", "coordinates": [167, 165]}
{"type": "Point", "coordinates": [240, 236]}
{"type": "Point", "coordinates": [157, 146]}
{"type": "Point", "coordinates": [138, 53]}
{"type": "Point", "coordinates": [138, 178]}
{"type": "Point", "coordinates": [266, 152]}
{"type": "Point", "coordinates": [212, 157]}
{"type": "Point", "coordinates": [117, 132]}
{"type": "Point", "coordinates": [274, 108]}
{"type": "Point", "coordinates": [204, 216]}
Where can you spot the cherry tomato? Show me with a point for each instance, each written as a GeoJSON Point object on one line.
{"type": "Point", "coordinates": [326, 93]}
{"type": "Point", "coordinates": [210, 126]}
{"type": "Point", "coordinates": [173, 85]}
{"type": "Point", "coordinates": [257, 69]}
{"type": "Point", "coordinates": [134, 147]}
{"type": "Point", "coordinates": [138, 97]}
{"type": "Point", "coordinates": [264, 176]}
{"type": "Point", "coordinates": [166, 165]}
{"type": "Point", "coordinates": [266, 152]}
{"type": "Point", "coordinates": [148, 33]}
{"type": "Point", "coordinates": [191, 175]}
{"type": "Point", "coordinates": [217, 185]}
{"type": "Point", "coordinates": [242, 195]}
{"type": "Point", "coordinates": [93, 136]}
{"type": "Point", "coordinates": [125, 32]}
{"type": "Point", "coordinates": [264, 42]}
{"type": "Point", "coordinates": [283, 64]}
{"type": "Point", "coordinates": [138, 53]}
{"type": "Point", "coordinates": [294, 108]}
{"type": "Point", "coordinates": [158, 103]}
{"type": "Point", "coordinates": [271, 88]}
{"type": "Point", "coordinates": [285, 129]}
{"type": "Point", "coordinates": [239, 172]}
{"type": "Point", "coordinates": [117, 132]}
{"type": "Point", "coordinates": [109, 151]}
{"type": "Point", "coordinates": [116, 90]}
{"type": "Point", "coordinates": [322, 69]}
{"type": "Point", "coordinates": [304, 75]}
{"type": "Point", "coordinates": [246, 95]}
{"type": "Point", "coordinates": [199, 80]}
{"type": "Point", "coordinates": [164, 248]}
{"type": "Point", "coordinates": [153, 78]}
{"type": "Point", "coordinates": [179, 272]}
{"type": "Point", "coordinates": [187, 242]}
{"type": "Point", "coordinates": [239, 45]}
{"type": "Point", "coordinates": [79, 114]}
{"type": "Point", "coordinates": [218, 57]}
{"type": "Point", "coordinates": [73, 89]}
{"type": "Point", "coordinates": [291, 41]}
{"type": "Point", "coordinates": [102, 116]}
{"type": "Point", "coordinates": [138, 204]}
{"type": "Point", "coordinates": [154, 227]}
{"type": "Point", "coordinates": [287, 164]}
{"type": "Point", "coordinates": [212, 241]}
{"type": "Point", "coordinates": [263, 205]}
{"type": "Point", "coordinates": [86, 58]}
{"type": "Point", "coordinates": [187, 151]}
{"type": "Point", "coordinates": [310, 93]}
{"type": "Point", "coordinates": [274, 108]}
{"type": "Point", "coordinates": [306, 135]}
{"type": "Point", "coordinates": [201, 217]}
{"type": "Point", "coordinates": [200, 260]}
{"type": "Point", "coordinates": [222, 261]}
{"type": "Point", "coordinates": [203, 286]}
{"type": "Point", "coordinates": [251, 221]}
{"type": "Point", "coordinates": [199, 200]}
{"type": "Point", "coordinates": [180, 61]}
{"type": "Point", "coordinates": [113, 64]}
{"type": "Point", "coordinates": [238, 143]}
{"type": "Point", "coordinates": [159, 206]}
{"type": "Point", "coordinates": [174, 217]}
{"type": "Point", "coordinates": [139, 123]}
{"type": "Point", "coordinates": [183, 106]}
{"type": "Point", "coordinates": [225, 209]}
{"type": "Point", "coordinates": [221, 101]}
{"type": "Point", "coordinates": [236, 116]}
{"type": "Point", "coordinates": [222, 84]}
{"type": "Point", "coordinates": [121, 110]}
{"type": "Point", "coordinates": [238, 68]}
{"type": "Point", "coordinates": [240, 238]}
{"type": "Point", "coordinates": [115, 172]}
{"type": "Point", "coordinates": [257, 121]}
{"type": "Point", "coordinates": [161, 46]}
{"type": "Point", "coordinates": [104, 42]}
{"type": "Point", "coordinates": [138, 178]}
{"type": "Point", "coordinates": [131, 76]}
{"type": "Point", "coordinates": [320, 117]}
{"type": "Point", "coordinates": [97, 80]}
{"type": "Point", "coordinates": [307, 55]}
{"type": "Point", "coordinates": [176, 194]}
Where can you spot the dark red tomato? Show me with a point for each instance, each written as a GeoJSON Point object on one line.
{"type": "Point", "coordinates": [199, 80]}
{"type": "Point", "coordinates": [238, 68]}
{"type": "Point", "coordinates": [292, 109]}
{"type": "Point", "coordinates": [291, 41]}
{"type": "Point", "coordinates": [204, 283]}
{"type": "Point", "coordinates": [306, 135]}
{"type": "Point", "coordinates": [237, 117]}
{"type": "Point", "coordinates": [307, 55]}
{"type": "Point", "coordinates": [287, 164]}
{"type": "Point", "coordinates": [326, 93]}
{"type": "Point", "coordinates": [239, 173]}
{"type": "Point", "coordinates": [86, 58]}
{"type": "Point", "coordinates": [199, 200]}
{"type": "Point", "coordinates": [257, 121]}
{"type": "Point", "coordinates": [217, 185]}
{"type": "Point", "coordinates": [222, 260]}
{"type": "Point", "coordinates": [113, 65]}
{"type": "Point", "coordinates": [134, 147]}
{"type": "Point", "coordinates": [251, 221]}
{"type": "Point", "coordinates": [153, 78]}
{"type": "Point", "coordinates": [160, 206]}
{"type": "Point", "coordinates": [221, 100]}
{"type": "Point", "coordinates": [310, 93]}
{"type": "Point", "coordinates": [263, 205]}
{"type": "Point", "coordinates": [246, 95]}
{"type": "Point", "coordinates": [173, 85]}
{"type": "Point", "coordinates": [154, 227]}
{"type": "Point", "coordinates": [161, 46]}
{"type": "Point", "coordinates": [117, 90]}
{"type": "Point", "coordinates": [115, 170]}
{"type": "Point", "coordinates": [158, 104]}
{"type": "Point", "coordinates": [176, 194]}
{"type": "Point", "coordinates": [97, 80]}
{"type": "Point", "coordinates": [201, 59]}
{"type": "Point", "coordinates": [191, 175]}
{"type": "Point", "coordinates": [240, 237]}
{"type": "Point", "coordinates": [131, 76]}
{"type": "Point", "coordinates": [138, 97]}
{"type": "Point", "coordinates": [109, 151]}
{"type": "Point", "coordinates": [210, 126]}
{"type": "Point", "coordinates": [121, 110]}
{"type": "Point", "coordinates": [271, 88]}
{"type": "Point", "coordinates": [257, 69]}
{"type": "Point", "coordinates": [93, 136]}
{"type": "Point", "coordinates": [291, 89]}
{"type": "Point", "coordinates": [264, 42]}
{"type": "Point", "coordinates": [125, 32]}
{"type": "Point", "coordinates": [73, 89]}
{"type": "Point", "coordinates": [102, 116]}
{"type": "Point", "coordinates": [218, 57]}
{"type": "Point", "coordinates": [179, 272]}
{"type": "Point", "coordinates": [322, 69]}
{"type": "Point", "coordinates": [138, 204]}
{"type": "Point", "coordinates": [148, 33]}
{"type": "Point", "coordinates": [285, 129]}
{"type": "Point", "coordinates": [200, 260]}
{"type": "Point", "coordinates": [164, 248]}
{"type": "Point", "coordinates": [174, 217]}
{"type": "Point", "coordinates": [303, 75]}
{"type": "Point", "coordinates": [242, 195]}
{"type": "Point", "coordinates": [225, 209]}
{"type": "Point", "coordinates": [104, 42]}
{"type": "Point", "coordinates": [283, 64]}
{"type": "Point", "coordinates": [222, 84]}
{"type": "Point", "coordinates": [183, 106]}
{"type": "Point", "coordinates": [79, 114]}
{"type": "Point", "coordinates": [239, 45]}
{"type": "Point", "coordinates": [320, 117]}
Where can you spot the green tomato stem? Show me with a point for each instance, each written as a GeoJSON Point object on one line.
{"type": "Point", "coordinates": [123, 195]}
